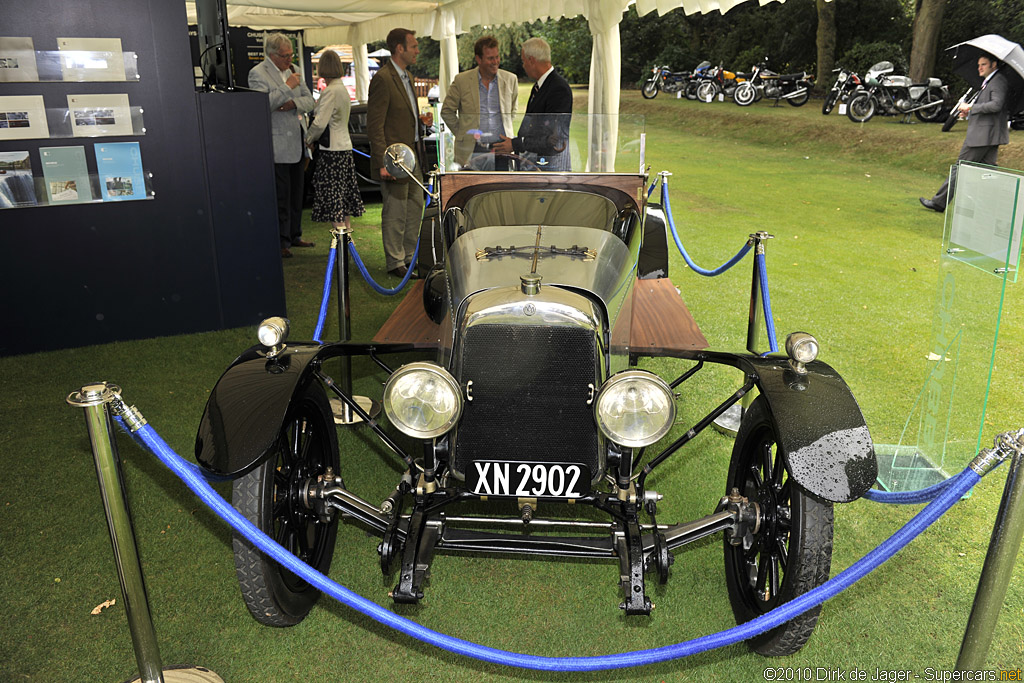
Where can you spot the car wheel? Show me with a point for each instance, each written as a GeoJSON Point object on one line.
{"type": "Point", "coordinates": [744, 95]}
{"type": "Point", "coordinates": [271, 498]}
{"type": "Point", "coordinates": [791, 551]}
{"type": "Point", "coordinates": [861, 108]}
{"type": "Point", "coordinates": [650, 89]}
{"type": "Point", "coordinates": [830, 102]}
{"type": "Point", "coordinates": [932, 113]}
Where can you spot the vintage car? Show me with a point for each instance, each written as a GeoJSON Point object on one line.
{"type": "Point", "coordinates": [534, 399]}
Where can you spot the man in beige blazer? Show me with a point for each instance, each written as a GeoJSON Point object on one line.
{"type": "Point", "coordinates": [480, 103]}
{"type": "Point", "coordinates": [391, 116]}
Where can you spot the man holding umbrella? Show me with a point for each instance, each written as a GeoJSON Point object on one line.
{"type": "Point", "coordinates": [988, 116]}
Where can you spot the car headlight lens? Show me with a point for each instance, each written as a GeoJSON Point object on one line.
{"type": "Point", "coordinates": [422, 400]}
{"type": "Point", "coordinates": [801, 347]}
{"type": "Point", "coordinates": [272, 331]}
{"type": "Point", "coordinates": [635, 408]}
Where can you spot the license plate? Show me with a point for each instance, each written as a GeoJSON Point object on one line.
{"type": "Point", "coordinates": [528, 479]}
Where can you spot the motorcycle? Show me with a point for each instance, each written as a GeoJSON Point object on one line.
{"type": "Point", "coordinates": [699, 75]}
{"type": "Point", "coordinates": [719, 81]}
{"type": "Point", "coordinates": [846, 84]}
{"type": "Point", "coordinates": [893, 95]}
{"type": "Point", "coordinates": [665, 80]}
{"type": "Point", "coordinates": [795, 88]}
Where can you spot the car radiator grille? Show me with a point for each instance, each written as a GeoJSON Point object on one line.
{"type": "Point", "coordinates": [530, 391]}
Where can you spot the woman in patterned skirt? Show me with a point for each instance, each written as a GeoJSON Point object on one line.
{"type": "Point", "coordinates": [335, 190]}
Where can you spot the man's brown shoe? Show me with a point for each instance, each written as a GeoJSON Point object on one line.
{"type": "Point", "coordinates": [399, 272]}
{"type": "Point", "coordinates": [286, 252]}
{"type": "Point", "coordinates": [302, 243]}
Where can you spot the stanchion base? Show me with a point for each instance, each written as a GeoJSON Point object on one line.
{"type": "Point", "coordinates": [728, 423]}
{"type": "Point", "coordinates": [187, 674]}
{"type": "Point", "coordinates": [347, 417]}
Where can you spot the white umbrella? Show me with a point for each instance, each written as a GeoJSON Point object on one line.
{"type": "Point", "coordinates": [1009, 54]}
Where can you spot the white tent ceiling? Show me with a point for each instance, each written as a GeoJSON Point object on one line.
{"type": "Point", "coordinates": [357, 22]}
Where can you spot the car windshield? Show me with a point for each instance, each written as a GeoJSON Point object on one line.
{"type": "Point", "coordinates": [540, 207]}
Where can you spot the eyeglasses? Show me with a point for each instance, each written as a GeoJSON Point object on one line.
{"type": "Point", "coordinates": [287, 55]}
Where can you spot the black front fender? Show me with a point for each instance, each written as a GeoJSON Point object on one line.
{"type": "Point", "coordinates": [246, 408]}
{"type": "Point", "coordinates": [820, 428]}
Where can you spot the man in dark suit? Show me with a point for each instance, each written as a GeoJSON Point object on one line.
{"type": "Point", "coordinates": [544, 134]}
{"type": "Point", "coordinates": [392, 116]}
{"type": "Point", "coordinates": [987, 120]}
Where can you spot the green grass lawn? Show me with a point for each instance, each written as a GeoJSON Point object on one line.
{"type": "Point", "coordinates": [855, 261]}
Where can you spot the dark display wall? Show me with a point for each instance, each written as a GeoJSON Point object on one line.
{"type": "Point", "coordinates": [202, 255]}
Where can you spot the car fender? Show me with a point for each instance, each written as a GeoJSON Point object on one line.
{"type": "Point", "coordinates": [246, 408]}
{"type": "Point", "coordinates": [821, 430]}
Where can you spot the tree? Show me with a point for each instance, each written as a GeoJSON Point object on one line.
{"type": "Point", "coordinates": [826, 41]}
{"type": "Point", "coordinates": [927, 23]}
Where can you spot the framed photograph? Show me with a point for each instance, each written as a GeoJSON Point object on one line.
{"type": "Point", "coordinates": [17, 186]}
{"type": "Point", "coordinates": [17, 60]}
{"type": "Point", "coordinates": [91, 59]}
{"type": "Point", "coordinates": [119, 167]}
{"type": "Point", "coordinates": [65, 175]}
{"type": "Point", "coordinates": [23, 117]}
{"type": "Point", "coordinates": [97, 115]}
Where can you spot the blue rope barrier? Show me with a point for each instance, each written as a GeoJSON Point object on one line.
{"type": "Point", "coordinates": [697, 269]}
{"type": "Point", "coordinates": [957, 487]}
{"type": "Point", "coordinates": [650, 189]}
{"type": "Point", "coordinates": [369, 280]}
{"type": "Point", "coordinates": [908, 497]}
{"type": "Point", "coordinates": [766, 301]}
{"type": "Point", "coordinates": [360, 152]}
{"type": "Point", "coordinates": [327, 292]}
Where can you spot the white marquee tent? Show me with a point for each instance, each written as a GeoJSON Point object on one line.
{"type": "Point", "coordinates": [357, 22]}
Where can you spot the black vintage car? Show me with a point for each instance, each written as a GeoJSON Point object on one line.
{"type": "Point", "coordinates": [535, 431]}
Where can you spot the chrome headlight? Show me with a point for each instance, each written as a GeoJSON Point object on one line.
{"type": "Point", "coordinates": [422, 400]}
{"type": "Point", "coordinates": [271, 333]}
{"type": "Point", "coordinates": [635, 408]}
{"type": "Point", "coordinates": [801, 348]}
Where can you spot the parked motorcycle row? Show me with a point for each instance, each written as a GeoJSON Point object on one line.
{"type": "Point", "coordinates": [882, 92]}
{"type": "Point", "coordinates": [705, 83]}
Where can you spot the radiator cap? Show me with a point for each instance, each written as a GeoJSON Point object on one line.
{"type": "Point", "coordinates": [530, 283]}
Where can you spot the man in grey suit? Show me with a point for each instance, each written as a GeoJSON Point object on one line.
{"type": "Point", "coordinates": [289, 100]}
{"type": "Point", "coordinates": [987, 120]}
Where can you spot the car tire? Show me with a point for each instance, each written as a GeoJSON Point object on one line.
{"type": "Point", "coordinates": [744, 95]}
{"type": "Point", "coordinates": [861, 108]}
{"type": "Point", "coordinates": [792, 521]}
{"type": "Point", "coordinates": [270, 498]}
{"type": "Point", "coordinates": [650, 89]}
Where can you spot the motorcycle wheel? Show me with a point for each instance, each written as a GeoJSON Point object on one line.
{"type": "Point", "coordinates": [933, 113]}
{"type": "Point", "coordinates": [650, 89]}
{"type": "Point", "coordinates": [861, 108]}
{"type": "Point", "coordinates": [707, 91]}
{"type": "Point", "coordinates": [800, 100]}
{"type": "Point", "coordinates": [691, 91]}
{"type": "Point", "coordinates": [791, 551]}
{"type": "Point", "coordinates": [830, 102]}
{"type": "Point", "coordinates": [744, 95]}
{"type": "Point", "coordinates": [271, 498]}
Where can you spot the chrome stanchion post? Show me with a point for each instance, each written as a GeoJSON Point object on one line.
{"type": "Point", "coordinates": [999, 562]}
{"type": "Point", "coordinates": [729, 422]}
{"type": "Point", "coordinates": [94, 398]}
{"type": "Point", "coordinates": [343, 414]}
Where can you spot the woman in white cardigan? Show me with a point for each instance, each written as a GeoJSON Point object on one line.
{"type": "Point", "coordinates": [335, 188]}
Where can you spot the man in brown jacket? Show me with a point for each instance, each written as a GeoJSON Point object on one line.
{"type": "Point", "coordinates": [391, 116]}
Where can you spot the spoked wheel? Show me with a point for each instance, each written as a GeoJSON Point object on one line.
{"type": "Point", "coordinates": [707, 91]}
{"type": "Point", "coordinates": [650, 89]}
{"type": "Point", "coordinates": [932, 113]}
{"type": "Point", "coordinates": [861, 108]}
{"type": "Point", "coordinates": [801, 99]}
{"type": "Point", "coordinates": [271, 498]}
{"type": "Point", "coordinates": [791, 550]}
{"type": "Point", "coordinates": [691, 90]}
{"type": "Point", "coordinates": [744, 95]}
{"type": "Point", "coordinates": [830, 102]}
